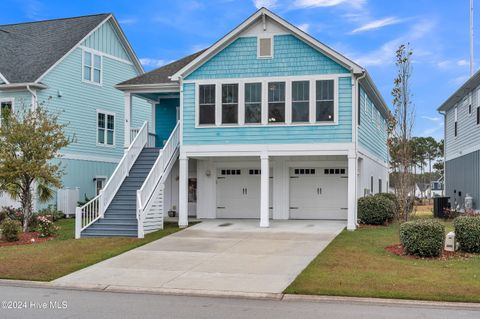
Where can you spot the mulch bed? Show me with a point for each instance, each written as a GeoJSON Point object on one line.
{"type": "Point", "coordinates": [26, 239]}
{"type": "Point", "coordinates": [397, 249]}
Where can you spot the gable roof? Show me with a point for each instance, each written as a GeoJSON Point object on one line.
{"type": "Point", "coordinates": [161, 75]}
{"type": "Point", "coordinates": [29, 50]}
{"type": "Point", "coordinates": [261, 13]}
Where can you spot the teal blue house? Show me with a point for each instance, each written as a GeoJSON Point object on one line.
{"type": "Point", "coordinates": [71, 66]}
{"type": "Point", "coordinates": [267, 123]}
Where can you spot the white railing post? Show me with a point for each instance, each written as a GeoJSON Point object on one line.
{"type": "Point", "coordinates": [78, 222]}
{"type": "Point", "coordinates": [101, 205]}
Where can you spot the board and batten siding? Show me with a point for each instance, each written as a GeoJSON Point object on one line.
{"type": "Point", "coordinates": [462, 176]}
{"type": "Point", "coordinates": [468, 136]}
{"type": "Point", "coordinates": [105, 40]}
{"type": "Point", "coordinates": [371, 136]}
{"type": "Point", "coordinates": [291, 57]}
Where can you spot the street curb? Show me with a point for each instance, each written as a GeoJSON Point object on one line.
{"type": "Point", "coordinates": [382, 301]}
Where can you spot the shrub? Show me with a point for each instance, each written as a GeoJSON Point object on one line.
{"type": "Point", "coordinates": [423, 238]}
{"type": "Point", "coordinates": [375, 210]}
{"type": "Point", "coordinates": [12, 213]}
{"type": "Point", "coordinates": [11, 229]}
{"type": "Point", "coordinates": [51, 211]}
{"type": "Point", "coordinates": [46, 227]}
{"type": "Point", "coordinates": [467, 233]}
{"type": "Point", "coordinates": [393, 198]}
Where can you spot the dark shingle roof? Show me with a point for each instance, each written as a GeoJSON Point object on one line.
{"type": "Point", "coordinates": [27, 50]}
{"type": "Point", "coordinates": [162, 74]}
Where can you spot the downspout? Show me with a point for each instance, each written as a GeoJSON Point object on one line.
{"type": "Point", "coordinates": [34, 96]}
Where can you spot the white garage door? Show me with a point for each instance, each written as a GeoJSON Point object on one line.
{"type": "Point", "coordinates": [238, 193]}
{"type": "Point", "coordinates": [318, 193]}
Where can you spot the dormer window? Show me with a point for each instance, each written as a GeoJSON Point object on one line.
{"type": "Point", "coordinates": [265, 48]}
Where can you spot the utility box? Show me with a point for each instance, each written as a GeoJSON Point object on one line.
{"type": "Point", "coordinates": [439, 205]}
{"type": "Point", "coordinates": [450, 244]}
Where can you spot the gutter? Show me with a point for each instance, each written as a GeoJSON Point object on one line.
{"type": "Point", "coordinates": [16, 86]}
{"type": "Point", "coordinates": [34, 97]}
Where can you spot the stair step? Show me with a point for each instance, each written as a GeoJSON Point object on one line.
{"type": "Point", "coordinates": [121, 216]}
{"type": "Point", "coordinates": [115, 227]}
{"type": "Point", "coordinates": [109, 233]}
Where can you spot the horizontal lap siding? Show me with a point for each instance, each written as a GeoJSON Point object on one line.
{"type": "Point", "coordinates": [370, 136]}
{"type": "Point", "coordinates": [292, 57]}
{"type": "Point", "coordinates": [341, 133]}
{"type": "Point", "coordinates": [22, 99]}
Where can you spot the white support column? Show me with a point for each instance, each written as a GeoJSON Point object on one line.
{"type": "Point", "coordinates": [264, 191]}
{"type": "Point", "coordinates": [352, 192]}
{"type": "Point", "coordinates": [128, 119]}
{"type": "Point", "coordinates": [183, 192]}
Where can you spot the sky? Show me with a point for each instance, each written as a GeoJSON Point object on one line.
{"type": "Point", "coordinates": [366, 31]}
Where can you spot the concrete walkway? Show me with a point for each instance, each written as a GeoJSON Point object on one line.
{"type": "Point", "coordinates": [215, 256]}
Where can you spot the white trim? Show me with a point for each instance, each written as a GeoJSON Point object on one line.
{"type": "Point", "coordinates": [92, 66]}
{"type": "Point", "coordinates": [106, 55]}
{"type": "Point", "coordinates": [363, 152]}
{"type": "Point", "coordinates": [100, 111]}
{"type": "Point", "coordinates": [7, 99]}
{"type": "Point", "coordinates": [4, 79]}
{"type": "Point", "coordinates": [129, 50]}
{"type": "Point", "coordinates": [463, 152]}
{"type": "Point", "coordinates": [84, 157]}
{"type": "Point", "coordinates": [264, 81]}
{"type": "Point", "coordinates": [202, 58]}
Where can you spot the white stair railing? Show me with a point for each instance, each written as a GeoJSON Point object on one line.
{"type": "Point", "coordinates": [95, 209]}
{"type": "Point", "coordinates": [146, 192]}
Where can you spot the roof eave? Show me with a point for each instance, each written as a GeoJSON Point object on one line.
{"type": "Point", "coordinates": [4, 79]}
{"type": "Point", "coordinates": [16, 86]}
{"type": "Point", "coordinates": [376, 93]}
{"type": "Point", "coordinates": [174, 86]}
{"type": "Point", "coordinates": [190, 67]}
{"type": "Point", "coordinates": [469, 85]}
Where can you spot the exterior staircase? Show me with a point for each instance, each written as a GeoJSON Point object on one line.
{"type": "Point", "coordinates": [120, 217]}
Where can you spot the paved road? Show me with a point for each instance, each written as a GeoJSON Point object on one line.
{"type": "Point", "coordinates": [88, 304]}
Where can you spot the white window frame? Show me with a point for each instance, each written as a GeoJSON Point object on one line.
{"type": "Point", "coordinates": [271, 47]}
{"type": "Point", "coordinates": [100, 178]}
{"type": "Point", "coordinates": [264, 101]}
{"type": "Point", "coordinates": [93, 53]}
{"type": "Point", "coordinates": [7, 99]}
{"type": "Point", "coordinates": [106, 123]}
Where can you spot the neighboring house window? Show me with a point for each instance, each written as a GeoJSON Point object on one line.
{"type": "Point", "coordinates": [92, 67]}
{"type": "Point", "coordinates": [105, 128]}
{"type": "Point", "coordinates": [6, 106]}
{"type": "Point", "coordinates": [229, 103]}
{"type": "Point", "coordinates": [455, 128]}
{"type": "Point", "coordinates": [253, 103]}
{"type": "Point", "coordinates": [276, 102]}
{"type": "Point", "coordinates": [265, 47]}
{"type": "Point", "coordinates": [207, 104]}
{"type": "Point", "coordinates": [470, 109]}
{"type": "Point", "coordinates": [478, 115]}
{"type": "Point", "coordinates": [300, 101]}
{"type": "Point", "coordinates": [325, 101]}
{"type": "Point", "coordinates": [371, 184]}
{"type": "Point", "coordinates": [380, 185]}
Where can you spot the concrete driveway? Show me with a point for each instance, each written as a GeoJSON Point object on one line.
{"type": "Point", "coordinates": [215, 256]}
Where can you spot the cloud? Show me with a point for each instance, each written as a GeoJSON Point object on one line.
{"type": "Point", "coordinates": [432, 118]}
{"type": "Point", "coordinates": [304, 27]}
{"type": "Point", "coordinates": [127, 21]}
{"type": "Point", "coordinates": [459, 80]}
{"type": "Point", "coordinates": [463, 62]}
{"type": "Point", "coordinates": [445, 64]}
{"type": "Point", "coordinates": [377, 24]}
{"type": "Point", "coordinates": [152, 62]}
{"type": "Point", "coordinates": [328, 3]}
{"type": "Point", "coordinates": [265, 3]}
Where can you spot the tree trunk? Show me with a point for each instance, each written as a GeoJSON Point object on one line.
{"type": "Point", "coordinates": [26, 201]}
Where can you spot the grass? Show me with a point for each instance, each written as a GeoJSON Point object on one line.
{"type": "Point", "coordinates": [356, 264]}
{"type": "Point", "coordinates": [64, 254]}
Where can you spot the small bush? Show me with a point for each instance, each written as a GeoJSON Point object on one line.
{"type": "Point", "coordinates": [11, 213]}
{"type": "Point", "coordinates": [46, 227]}
{"type": "Point", "coordinates": [393, 198]}
{"type": "Point", "coordinates": [11, 230]}
{"type": "Point", "coordinates": [51, 211]}
{"type": "Point", "coordinates": [467, 233]}
{"type": "Point", "coordinates": [423, 238]}
{"type": "Point", "coordinates": [375, 210]}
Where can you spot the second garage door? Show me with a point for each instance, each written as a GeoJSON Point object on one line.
{"type": "Point", "coordinates": [318, 193]}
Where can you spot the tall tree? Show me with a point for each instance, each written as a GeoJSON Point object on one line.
{"type": "Point", "coordinates": [401, 126]}
{"type": "Point", "coordinates": [28, 142]}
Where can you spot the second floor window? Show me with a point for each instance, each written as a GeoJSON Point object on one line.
{"type": "Point", "coordinates": [325, 101]}
{"type": "Point", "coordinates": [300, 101]}
{"type": "Point", "coordinates": [92, 67]}
{"type": "Point", "coordinates": [253, 103]}
{"type": "Point", "coordinates": [276, 102]}
{"type": "Point", "coordinates": [105, 129]}
{"type": "Point", "coordinates": [206, 104]}
{"type": "Point", "coordinates": [229, 103]}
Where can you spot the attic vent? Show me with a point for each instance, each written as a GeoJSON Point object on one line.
{"type": "Point", "coordinates": [265, 48]}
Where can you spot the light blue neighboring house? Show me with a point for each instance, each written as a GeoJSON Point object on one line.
{"type": "Point", "coordinates": [268, 123]}
{"type": "Point", "coordinates": [70, 67]}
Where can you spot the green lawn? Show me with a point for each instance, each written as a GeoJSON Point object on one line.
{"type": "Point", "coordinates": [64, 254]}
{"type": "Point", "coordinates": [356, 264]}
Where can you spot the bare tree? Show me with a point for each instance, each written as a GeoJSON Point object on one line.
{"type": "Point", "coordinates": [401, 125]}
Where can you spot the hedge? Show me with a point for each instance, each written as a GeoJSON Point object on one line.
{"type": "Point", "coordinates": [467, 233]}
{"type": "Point", "coordinates": [375, 210]}
{"type": "Point", "coordinates": [10, 230]}
{"type": "Point", "coordinates": [423, 238]}
{"type": "Point", "coordinates": [393, 198]}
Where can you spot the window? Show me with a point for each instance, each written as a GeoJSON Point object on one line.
{"type": "Point", "coordinates": [276, 102]}
{"type": "Point", "coordinates": [371, 184]}
{"type": "Point", "coordinates": [99, 184]}
{"type": "Point", "coordinates": [92, 67]}
{"type": "Point", "coordinates": [478, 115]}
{"type": "Point", "coordinates": [380, 185]}
{"type": "Point", "coordinates": [229, 103]}
{"type": "Point", "coordinates": [304, 171]}
{"type": "Point", "coordinates": [207, 104]}
{"type": "Point", "coordinates": [105, 128]}
{"type": "Point", "coordinates": [325, 101]}
{"type": "Point", "coordinates": [334, 171]}
{"type": "Point", "coordinates": [455, 127]}
{"type": "Point", "coordinates": [6, 107]}
{"type": "Point", "coordinates": [470, 109]}
{"type": "Point", "coordinates": [253, 103]}
{"type": "Point", "coordinates": [265, 47]}
{"type": "Point", "coordinates": [230, 172]}
{"type": "Point", "coordinates": [300, 101]}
